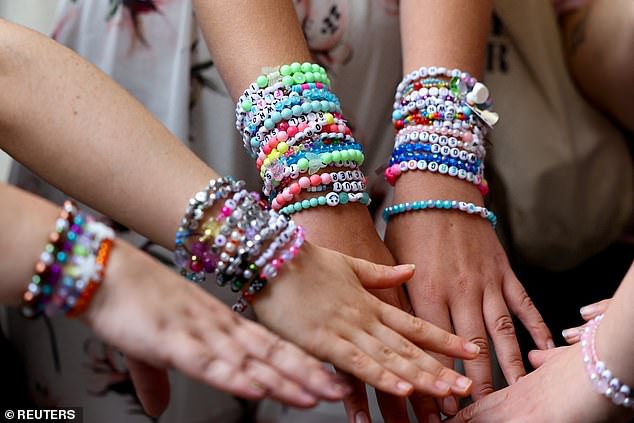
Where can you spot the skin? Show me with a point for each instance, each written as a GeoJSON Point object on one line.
{"type": "Point", "coordinates": [465, 281]}
{"type": "Point", "coordinates": [559, 390]}
{"type": "Point", "coordinates": [113, 138]}
{"type": "Point", "coordinates": [585, 33]}
{"type": "Point", "coordinates": [177, 325]}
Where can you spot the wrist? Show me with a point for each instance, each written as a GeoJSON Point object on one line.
{"type": "Point", "coordinates": [414, 186]}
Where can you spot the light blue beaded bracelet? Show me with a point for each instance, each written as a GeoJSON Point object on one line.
{"type": "Point", "coordinates": [331, 199]}
{"type": "Point", "coordinates": [469, 208]}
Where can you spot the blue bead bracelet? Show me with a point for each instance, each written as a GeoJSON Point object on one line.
{"type": "Point", "coordinates": [469, 208]}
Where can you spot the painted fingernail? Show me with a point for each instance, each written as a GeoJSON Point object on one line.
{"type": "Point", "coordinates": [450, 406]}
{"type": "Point", "coordinates": [404, 386]}
{"type": "Point", "coordinates": [550, 344]}
{"type": "Point", "coordinates": [463, 382]}
{"type": "Point", "coordinates": [588, 310]}
{"type": "Point", "coordinates": [441, 385]}
{"type": "Point", "coordinates": [472, 348]}
{"type": "Point", "coordinates": [361, 417]}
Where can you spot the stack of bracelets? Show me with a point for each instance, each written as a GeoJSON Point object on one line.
{"type": "Point", "coordinates": [441, 117]}
{"type": "Point", "coordinates": [245, 244]}
{"type": "Point", "coordinates": [71, 267]}
{"type": "Point", "coordinates": [602, 379]}
{"type": "Point", "coordinates": [291, 123]}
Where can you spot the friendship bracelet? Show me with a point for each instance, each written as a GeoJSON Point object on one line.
{"type": "Point", "coordinates": [469, 208]}
{"type": "Point", "coordinates": [602, 379]}
{"type": "Point", "coordinates": [331, 199]}
{"type": "Point", "coordinates": [71, 267]}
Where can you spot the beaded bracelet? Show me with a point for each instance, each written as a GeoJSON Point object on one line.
{"type": "Point", "coordinates": [71, 266]}
{"type": "Point", "coordinates": [469, 208]}
{"type": "Point", "coordinates": [331, 199]}
{"type": "Point", "coordinates": [601, 378]}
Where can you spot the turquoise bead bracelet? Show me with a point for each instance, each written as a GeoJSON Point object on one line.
{"type": "Point", "coordinates": [331, 199]}
{"type": "Point", "coordinates": [469, 208]}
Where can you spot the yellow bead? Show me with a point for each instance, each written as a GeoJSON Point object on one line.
{"type": "Point", "coordinates": [329, 118]}
{"type": "Point", "coordinates": [282, 147]}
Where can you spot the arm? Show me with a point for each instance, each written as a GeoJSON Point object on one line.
{"type": "Point", "coordinates": [86, 138]}
{"type": "Point", "coordinates": [138, 289]}
{"type": "Point", "coordinates": [465, 279]}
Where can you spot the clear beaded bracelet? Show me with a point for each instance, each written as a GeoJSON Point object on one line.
{"type": "Point", "coordinates": [469, 208]}
{"type": "Point", "coordinates": [601, 378]}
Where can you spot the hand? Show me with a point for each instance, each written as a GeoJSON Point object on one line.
{"type": "Point", "coordinates": [366, 245]}
{"type": "Point", "coordinates": [464, 280]}
{"type": "Point", "coordinates": [319, 303]}
{"type": "Point", "coordinates": [558, 391]}
{"type": "Point", "coordinates": [589, 312]}
{"type": "Point", "coordinates": [154, 316]}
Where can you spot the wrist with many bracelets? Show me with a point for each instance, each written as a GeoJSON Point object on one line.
{"type": "Point", "coordinates": [441, 117]}
{"type": "Point", "coordinates": [292, 124]}
{"type": "Point", "coordinates": [602, 379]}
{"type": "Point", "coordinates": [244, 245]}
{"type": "Point", "coordinates": [71, 266]}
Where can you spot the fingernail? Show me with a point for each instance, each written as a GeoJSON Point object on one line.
{"type": "Point", "coordinates": [472, 348]}
{"type": "Point", "coordinates": [405, 267]}
{"type": "Point", "coordinates": [569, 333]}
{"type": "Point", "coordinates": [361, 417]}
{"type": "Point", "coordinates": [550, 344]}
{"type": "Point", "coordinates": [441, 385]}
{"type": "Point", "coordinates": [463, 382]}
{"type": "Point", "coordinates": [306, 398]}
{"type": "Point", "coordinates": [450, 406]}
{"type": "Point", "coordinates": [587, 310]}
{"type": "Point", "coordinates": [341, 389]}
{"type": "Point", "coordinates": [404, 386]}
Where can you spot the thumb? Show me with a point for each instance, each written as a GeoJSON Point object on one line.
{"type": "Point", "coordinates": [539, 357]}
{"type": "Point", "coordinates": [152, 386]}
{"type": "Point", "coordinates": [377, 276]}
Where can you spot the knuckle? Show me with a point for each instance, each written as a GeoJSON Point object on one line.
{"type": "Point", "coordinates": [408, 350]}
{"type": "Point", "coordinates": [358, 360]}
{"type": "Point", "coordinates": [504, 325]}
{"type": "Point", "coordinates": [387, 354]}
{"type": "Point", "coordinates": [484, 388]}
{"type": "Point", "coordinates": [526, 303]}
{"type": "Point", "coordinates": [417, 325]}
{"type": "Point", "coordinates": [481, 342]}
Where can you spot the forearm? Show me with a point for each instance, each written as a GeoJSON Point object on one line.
{"type": "Point", "coordinates": [614, 336]}
{"type": "Point", "coordinates": [451, 33]}
{"type": "Point", "coordinates": [68, 122]}
{"type": "Point", "coordinates": [270, 35]}
{"type": "Point", "coordinates": [246, 35]}
{"type": "Point", "coordinates": [428, 41]}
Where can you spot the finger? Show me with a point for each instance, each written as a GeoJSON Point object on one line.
{"type": "Point", "coordinates": [291, 361]}
{"type": "Point", "coordinates": [422, 361]}
{"type": "Point", "coordinates": [426, 408]}
{"type": "Point", "coordinates": [468, 322]}
{"type": "Point", "coordinates": [427, 335]}
{"type": "Point", "coordinates": [377, 276]}
{"type": "Point", "coordinates": [195, 359]}
{"type": "Point", "coordinates": [591, 311]}
{"type": "Point", "coordinates": [573, 335]}
{"type": "Point", "coordinates": [522, 306]}
{"type": "Point", "coordinates": [502, 331]}
{"type": "Point", "coordinates": [393, 408]}
{"type": "Point", "coordinates": [480, 411]}
{"type": "Point", "coordinates": [278, 387]}
{"type": "Point", "coordinates": [423, 380]}
{"type": "Point", "coordinates": [355, 361]}
{"type": "Point", "coordinates": [356, 403]}
{"type": "Point", "coordinates": [539, 357]}
{"type": "Point", "coordinates": [151, 384]}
